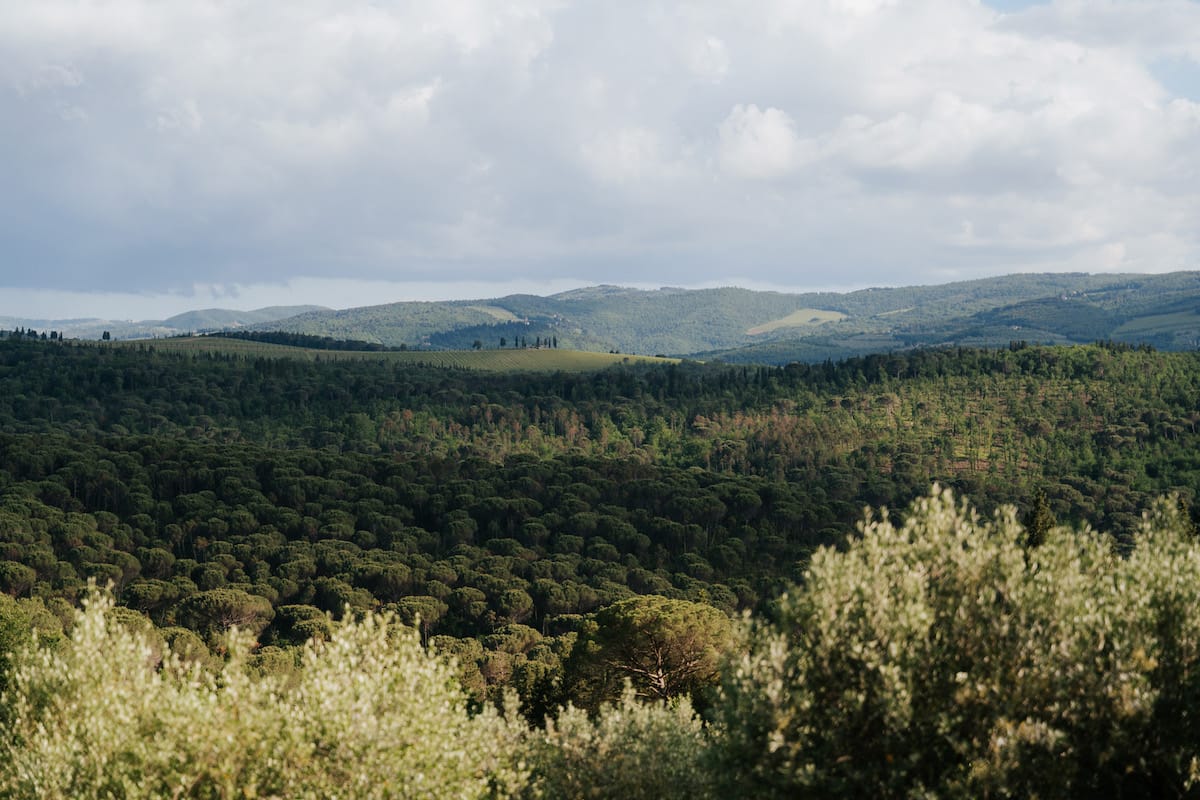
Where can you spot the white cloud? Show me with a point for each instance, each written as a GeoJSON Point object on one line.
{"type": "Point", "coordinates": [708, 57]}
{"type": "Point", "coordinates": [628, 155]}
{"type": "Point", "coordinates": [759, 143]}
{"type": "Point", "coordinates": [151, 146]}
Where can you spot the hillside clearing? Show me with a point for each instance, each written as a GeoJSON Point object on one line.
{"type": "Point", "coordinates": [516, 360]}
{"type": "Point", "coordinates": [501, 314]}
{"type": "Point", "coordinates": [800, 318]}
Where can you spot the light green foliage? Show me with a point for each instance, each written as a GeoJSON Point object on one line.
{"type": "Point", "coordinates": [800, 318]}
{"type": "Point", "coordinates": [20, 621]}
{"type": "Point", "coordinates": [369, 714]}
{"type": "Point", "coordinates": [942, 658]}
{"type": "Point", "coordinates": [630, 751]}
{"type": "Point", "coordinates": [188, 646]}
{"type": "Point", "coordinates": [530, 360]}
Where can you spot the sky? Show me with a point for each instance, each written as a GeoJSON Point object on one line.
{"type": "Point", "coordinates": [162, 156]}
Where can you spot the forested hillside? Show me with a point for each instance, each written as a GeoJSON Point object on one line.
{"type": "Point", "coordinates": [728, 324]}
{"type": "Point", "coordinates": [525, 521]}
{"type": "Point", "coordinates": [519, 498]}
{"type": "Point", "coordinates": [743, 326]}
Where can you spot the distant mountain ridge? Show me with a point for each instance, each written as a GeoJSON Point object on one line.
{"type": "Point", "coordinates": [187, 322]}
{"type": "Point", "coordinates": [740, 325]}
{"type": "Point", "coordinates": [773, 327]}
{"type": "Point", "coordinates": [218, 318]}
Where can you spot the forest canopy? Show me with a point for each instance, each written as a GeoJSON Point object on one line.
{"type": "Point", "coordinates": [506, 511]}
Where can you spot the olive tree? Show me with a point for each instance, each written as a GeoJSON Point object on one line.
{"type": "Point", "coordinates": [629, 750]}
{"type": "Point", "coordinates": [942, 657]}
{"type": "Point", "coordinates": [369, 714]}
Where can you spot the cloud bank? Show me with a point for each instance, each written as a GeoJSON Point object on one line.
{"type": "Point", "coordinates": [150, 147]}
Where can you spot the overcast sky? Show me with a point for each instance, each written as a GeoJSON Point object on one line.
{"type": "Point", "coordinates": [159, 156]}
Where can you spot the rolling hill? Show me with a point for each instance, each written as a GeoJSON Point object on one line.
{"type": "Point", "coordinates": [187, 322]}
{"type": "Point", "coordinates": [211, 319]}
{"type": "Point", "coordinates": [740, 325]}
{"type": "Point", "coordinates": [772, 327]}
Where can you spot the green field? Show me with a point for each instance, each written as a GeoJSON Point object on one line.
{"type": "Point", "coordinates": [544, 360]}
{"type": "Point", "coordinates": [800, 318]}
{"type": "Point", "coordinates": [1159, 323]}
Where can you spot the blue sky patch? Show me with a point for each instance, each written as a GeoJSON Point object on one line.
{"type": "Point", "coordinates": [1009, 6]}
{"type": "Point", "coordinates": [1179, 76]}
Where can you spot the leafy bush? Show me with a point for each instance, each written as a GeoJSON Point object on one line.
{"type": "Point", "coordinates": [369, 714]}
{"type": "Point", "coordinates": [630, 751]}
{"type": "Point", "coordinates": [942, 658]}
{"type": "Point", "coordinates": [19, 619]}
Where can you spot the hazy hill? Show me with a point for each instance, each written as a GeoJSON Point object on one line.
{"type": "Point", "coordinates": [744, 325]}
{"type": "Point", "coordinates": [187, 322]}
{"type": "Point", "coordinates": [740, 325]}
{"type": "Point", "coordinates": [220, 318]}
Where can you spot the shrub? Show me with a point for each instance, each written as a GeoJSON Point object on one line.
{"type": "Point", "coordinates": [20, 621]}
{"type": "Point", "coordinates": [369, 714]}
{"type": "Point", "coordinates": [631, 751]}
{"type": "Point", "coordinates": [943, 658]}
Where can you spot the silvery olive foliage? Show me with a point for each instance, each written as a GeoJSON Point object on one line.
{"type": "Point", "coordinates": [630, 750]}
{"type": "Point", "coordinates": [942, 657]}
{"type": "Point", "coordinates": [370, 714]}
